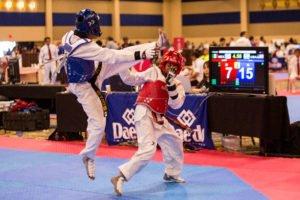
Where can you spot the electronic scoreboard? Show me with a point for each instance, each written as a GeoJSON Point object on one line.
{"type": "Point", "coordinates": [239, 69]}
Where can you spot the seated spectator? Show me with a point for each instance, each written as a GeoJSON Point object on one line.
{"type": "Point", "coordinates": [262, 42]}
{"type": "Point", "coordinates": [243, 41]}
{"type": "Point", "coordinates": [232, 42]}
{"type": "Point", "coordinates": [15, 52]}
{"type": "Point", "coordinates": [214, 44]}
{"type": "Point", "coordinates": [279, 53]}
{"type": "Point", "coordinates": [187, 71]}
{"type": "Point", "coordinates": [203, 86]}
{"type": "Point", "coordinates": [189, 45]}
{"type": "Point", "coordinates": [277, 61]}
{"type": "Point", "coordinates": [3, 67]}
{"type": "Point", "coordinates": [222, 42]}
{"type": "Point", "coordinates": [205, 53]}
{"type": "Point", "coordinates": [252, 41]}
{"type": "Point", "coordinates": [111, 44]}
{"type": "Point", "coordinates": [271, 46]}
{"type": "Point", "coordinates": [35, 49]}
{"type": "Point", "coordinates": [125, 43]}
{"type": "Point", "coordinates": [187, 54]}
{"type": "Point", "coordinates": [294, 70]}
{"type": "Point", "coordinates": [197, 68]}
{"type": "Point", "coordinates": [188, 68]}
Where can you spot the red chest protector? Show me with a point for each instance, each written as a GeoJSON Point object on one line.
{"type": "Point", "coordinates": [155, 96]}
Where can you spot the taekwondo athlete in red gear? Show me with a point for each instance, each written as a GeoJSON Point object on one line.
{"type": "Point", "coordinates": [160, 89]}
{"type": "Point", "coordinates": [81, 52]}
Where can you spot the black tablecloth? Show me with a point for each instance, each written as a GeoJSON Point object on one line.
{"type": "Point", "coordinates": [248, 115]}
{"type": "Point", "coordinates": [258, 116]}
{"type": "Point", "coordinates": [236, 115]}
{"type": "Point", "coordinates": [265, 117]}
{"type": "Point", "coordinates": [43, 95]}
{"type": "Point", "coordinates": [70, 114]}
{"type": "Point", "coordinates": [34, 91]}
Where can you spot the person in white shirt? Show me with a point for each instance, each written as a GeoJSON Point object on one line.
{"type": "Point", "coordinates": [3, 67]}
{"type": "Point", "coordinates": [48, 53]}
{"type": "Point", "coordinates": [81, 53]}
{"type": "Point", "coordinates": [199, 69]}
{"type": "Point", "coordinates": [290, 48]}
{"type": "Point", "coordinates": [197, 74]}
{"type": "Point", "coordinates": [222, 42]}
{"type": "Point", "coordinates": [111, 44]}
{"type": "Point", "coordinates": [160, 90]}
{"type": "Point", "coordinates": [271, 47]}
{"type": "Point", "coordinates": [279, 53]}
{"type": "Point", "coordinates": [294, 70]}
{"type": "Point", "coordinates": [262, 42]}
{"type": "Point", "coordinates": [243, 41]}
{"type": "Point", "coordinates": [232, 42]}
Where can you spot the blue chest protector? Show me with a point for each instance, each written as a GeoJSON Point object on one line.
{"type": "Point", "coordinates": [78, 70]}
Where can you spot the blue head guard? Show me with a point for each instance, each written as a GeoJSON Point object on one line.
{"type": "Point", "coordinates": [88, 23]}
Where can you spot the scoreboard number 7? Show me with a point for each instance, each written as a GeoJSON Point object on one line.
{"type": "Point", "coordinates": [229, 70]}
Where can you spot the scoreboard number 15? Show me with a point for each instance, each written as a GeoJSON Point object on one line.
{"type": "Point", "coordinates": [244, 72]}
{"type": "Point", "coordinates": [249, 73]}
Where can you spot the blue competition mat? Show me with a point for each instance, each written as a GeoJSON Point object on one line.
{"type": "Point", "coordinates": [42, 176]}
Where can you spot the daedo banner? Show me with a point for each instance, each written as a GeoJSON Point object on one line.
{"type": "Point", "coordinates": [120, 120]}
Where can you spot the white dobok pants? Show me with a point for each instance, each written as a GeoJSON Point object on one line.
{"type": "Point", "coordinates": [50, 68]}
{"type": "Point", "coordinates": [149, 134]}
{"type": "Point", "coordinates": [92, 106]}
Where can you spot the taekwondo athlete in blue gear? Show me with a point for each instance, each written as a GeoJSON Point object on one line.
{"type": "Point", "coordinates": [81, 52]}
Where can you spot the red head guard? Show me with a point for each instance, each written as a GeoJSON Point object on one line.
{"type": "Point", "coordinates": [174, 58]}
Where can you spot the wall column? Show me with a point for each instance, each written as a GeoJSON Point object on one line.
{"type": "Point", "coordinates": [116, 22]}
{"type": "Point", "coordinates": [172, 16]}
{"type": "Point", "coordinates": [244, 15]}
{"type": "Point", "coordinates": [49, 19]}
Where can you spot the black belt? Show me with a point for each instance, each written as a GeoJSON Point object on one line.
{"type": "Point", "coordinates": [102, 99]}
{"type": "Point", "coordinates": [97, 90]}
